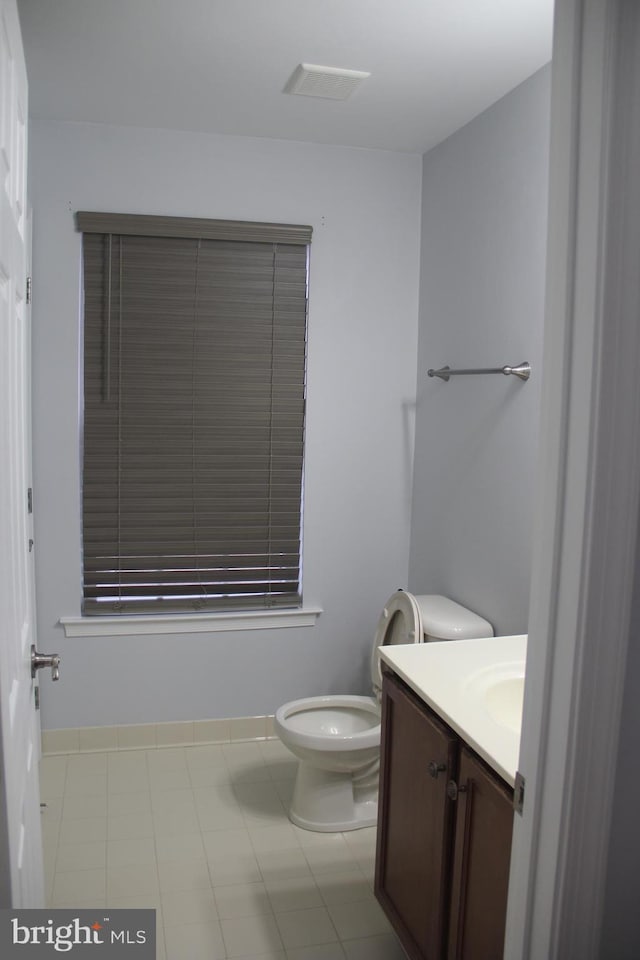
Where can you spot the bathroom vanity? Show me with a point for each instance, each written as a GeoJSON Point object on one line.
{"type": "Point", "coordinates": [450, 735]}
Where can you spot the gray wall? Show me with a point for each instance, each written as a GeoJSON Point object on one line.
{"type": "Point", "coordinates": [364, 206]}
{"type": "Point", "coordinates": [484, 216]}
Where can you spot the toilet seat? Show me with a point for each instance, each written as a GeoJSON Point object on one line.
{"type": "Point", "coordinates": [399, 622]}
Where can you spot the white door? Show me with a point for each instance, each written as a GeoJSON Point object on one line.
{"type": "Point", "coordinates": [21, 872]}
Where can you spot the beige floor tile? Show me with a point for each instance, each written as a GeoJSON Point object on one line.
{"type": "Point", "coordinates": [362, 918]}
{"type": "Point", "coordinates": [75, 808]}
{"type": "Point", "coordinates": [209, 776]}
{"type": "Point", "coordinates": [346, 886]}
{"type": "Point", "coordinates": [368, 867]}
{"type": "Point", "coordinates": [53, 774]}
{"type": "Point", "coordinates": [169, 779]}
{"type": "Point", "coordinates": [226, 869]}
{"type": "Point", "coordinates": [218, 809]}
{"type": "Point", "coordinates": [52, 808]}
{"type": "Point", "coordinates": [220, 843]}
{"type": "Point", "coordinates": [242, 900]}
{"type": "Point", "coordinates": [283, 864]}
{"type": "Point", "coordinates": [132, 880]}
{"type": "Point", "coordinates": [121, 804]}
{"type": "Point", "coordinates": [284, 770]}
{"type": "Point", "coordinates": [188, 875]}
{"type": "Point", "coordinates": [86, 763]}
{"type": "Point", "coordinates": [244, 936]}
{"type": "Point", "coordinates": [285, 791]}
{"type": "Point", "coordinates": [260, 804]}
{"type": "Point", "coordinates": [221, 796]}
{"type": "Point", "coordinates": [304, 928]}
{"type": "Point", "coordinates": [50, 825]}
{"type": "Point", "coordinates": [86, 886]}
{"type": "Point", "coordinates": [220, 818]}
{"type": "Point", "coordinates": [181, 848]}
{"type": "Point", "coordinates": [127, 772]}
{"type": "Point", "coordinates": [85, 784]}
{"type": "Point", "coordinates": [177, 821]}
{"type": "Point", "coordinates": [167, 758]}
{"type": "Point", "coordinates": [181, 798]}
{"type": "Point", "coordinates": [245, 763]}
{"type": "Point", "coordinates": [299, 894]}
{"type": "Point", "coordinates": [274, 750]}
{"type": "Point", "coordinates": [329, 857]}
{"type": "Point", "coordinates": [130, 826]}
{"type": "Point", "coordinates": [85, 830]}
{"type": "Point", "coordinates": [195, 941]}
{"type": "Point", "coordinates": [189, 906]}
{"type": "Point", "coordinates": [240, 753]}
{"type": "Point", "coordinates": [321, 951]}
{"type": "Point", "coordinates": [131, 850]}
{"type": "Point", "coordinates": [205, 757]}
{"type": "Point", "coordinates": [278, 837]}
{"type": "Point", "coordinates": [81, 856]}
{"type": "Point", "coordinates": [374, 948]}
{"type": "Point", "coordinates": [77, 903]}
{"type": "Point", "coordinates": [141, 902]}
{"type": "Point", "coordinates": [137, 781]}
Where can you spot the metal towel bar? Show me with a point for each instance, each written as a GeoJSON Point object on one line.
{"type": "Point", "coordinates": [522, 371]}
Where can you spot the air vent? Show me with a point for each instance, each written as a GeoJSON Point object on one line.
{"type": "Point", "coordinates": [331, 83]}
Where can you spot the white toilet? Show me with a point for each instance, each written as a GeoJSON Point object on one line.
{"type": "Point", "coordinates": [337, 738]}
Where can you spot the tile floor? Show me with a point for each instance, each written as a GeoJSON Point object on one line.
{"type": "Point", "coordinates": [201, 834]}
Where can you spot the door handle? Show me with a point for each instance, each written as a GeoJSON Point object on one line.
{"type": "Point", "coordinates": [435, 768]}
{"type": "Point", "coordinates": [40, 660]}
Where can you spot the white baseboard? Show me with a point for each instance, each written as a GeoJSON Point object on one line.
{"type": "Point", "coordinates": [136, 736]}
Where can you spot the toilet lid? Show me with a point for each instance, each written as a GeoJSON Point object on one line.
{"type": "Point", "coordinates": [399, 622]}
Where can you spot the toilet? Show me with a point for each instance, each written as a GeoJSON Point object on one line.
{"type": "Point", "coordinates": [337, 738]}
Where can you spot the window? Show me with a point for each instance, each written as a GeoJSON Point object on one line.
{"type": "Point", "coordinates": [194, 395]}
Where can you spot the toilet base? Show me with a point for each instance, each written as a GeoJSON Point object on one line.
{"type": "Point", "coordinates": [328, 802]}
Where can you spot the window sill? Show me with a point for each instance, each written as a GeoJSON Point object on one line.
{"type": "Point", "coordinates": [188, 623]}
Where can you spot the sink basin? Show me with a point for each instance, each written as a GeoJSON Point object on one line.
{"type": "Point", "coordinates": [499, 690]}
{"type": "Point", "coordinates": [503, 700]}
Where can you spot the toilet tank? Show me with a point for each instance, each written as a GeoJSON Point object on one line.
{"type": "Point", "coordinates": [444, 619]}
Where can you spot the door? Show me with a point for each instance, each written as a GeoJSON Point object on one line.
{"type": "Point", "coordinates": [21, 872]}
{"type": "Point", "coordinates": [481, 859]}
{"type": "Point", "coordinates": [415, 822]}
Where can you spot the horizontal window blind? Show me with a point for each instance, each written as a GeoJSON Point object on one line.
{"type": "Point", "coordinates": [194, 400]}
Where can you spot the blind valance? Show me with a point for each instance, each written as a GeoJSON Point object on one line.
{"type": "Point", "coordinates": [194, 398]}
{"type": "Point", "coordinates": [139, 225]}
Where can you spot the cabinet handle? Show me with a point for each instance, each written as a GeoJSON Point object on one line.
{"type": "Point", "coordinates": [436, 768]}
{"type": "Point", "coordinates": [453, 789]}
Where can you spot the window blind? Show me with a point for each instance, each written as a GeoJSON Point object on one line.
{"type": "Point", "coordinates": [194, 399]}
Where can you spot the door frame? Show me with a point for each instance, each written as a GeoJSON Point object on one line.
{"type": "Point", "coordinates": [587, 499]}
{"type": "Point", "coordinates": [588, 488]}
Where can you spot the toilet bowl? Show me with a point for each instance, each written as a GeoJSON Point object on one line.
{"type": "Point", "coordinates": [336, 738]}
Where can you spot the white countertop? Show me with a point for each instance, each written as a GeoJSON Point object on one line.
{"type": "Point", "coordinates": [475, 686]}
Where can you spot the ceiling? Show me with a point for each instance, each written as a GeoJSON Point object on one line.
{"type": "Point", "coordinates": [220, 66]}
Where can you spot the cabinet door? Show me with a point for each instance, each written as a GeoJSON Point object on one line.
{"type": "Point", "coordinates": [415, 821]}
{"type": "Point", "coordinates": [482, 852]}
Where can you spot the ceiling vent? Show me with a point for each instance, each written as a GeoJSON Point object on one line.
{"type": "Point", "coordinates": [331, 83]}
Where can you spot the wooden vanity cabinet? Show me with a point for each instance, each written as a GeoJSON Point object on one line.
{"type": "Point", "coordinates": [444, 836]}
